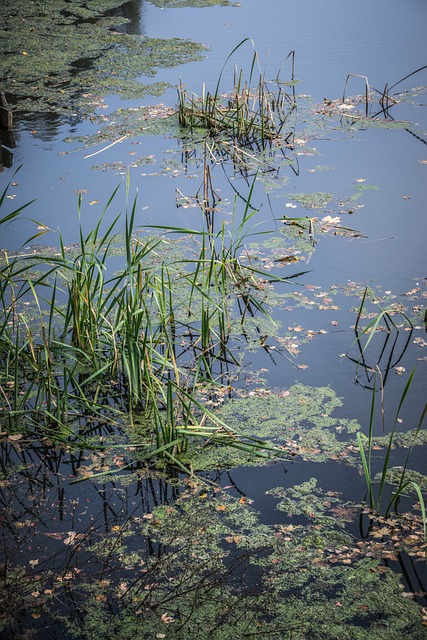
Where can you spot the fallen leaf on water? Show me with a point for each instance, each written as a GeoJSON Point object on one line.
{"type": "Point", "coordinates": [331, 220]}
{"type": "Point", "coordinates": [167, 619]}
{"type": "Point", "coordinates": [71, 537]}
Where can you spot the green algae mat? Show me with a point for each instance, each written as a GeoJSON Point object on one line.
{"type": "Point", "coordinates": [64, 57]}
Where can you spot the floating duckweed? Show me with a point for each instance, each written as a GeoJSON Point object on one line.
{"type": "Point", "coordinates": [80, 55]}
{"type": "Point", "coordinates": [316, 200]}
{"type": "Point", "coordinates": [299, 420]}
{"type": "Point", "coordinates": [194, 579]}
{"type": "Point", "coordinates": [394, 476]}
{"type": "Point", "coordinates": [175, 4]}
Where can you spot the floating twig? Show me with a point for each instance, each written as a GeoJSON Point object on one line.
{"type": "Point", "coordinates": [107, 147]}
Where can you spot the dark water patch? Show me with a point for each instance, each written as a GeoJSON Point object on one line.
{"type": "Point", "coordinates": [175, 558]}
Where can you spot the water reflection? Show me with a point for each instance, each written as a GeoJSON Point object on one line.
{"type": "Point", "coordinates": [45, 126]}
{"type": "Point", "coordinates": [7, 142]}
{"type": "Point", "coordinates": [380, 347]}
{"type": "Point", "coordinates": [132, 11]}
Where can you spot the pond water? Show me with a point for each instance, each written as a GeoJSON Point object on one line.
{"type": "Point", "coordinates": [103, 557]}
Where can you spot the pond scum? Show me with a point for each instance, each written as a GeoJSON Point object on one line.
{"type": "Point", "coordinates": [76, 45]}
{"type": "Point", "coordinates": [121, 359]}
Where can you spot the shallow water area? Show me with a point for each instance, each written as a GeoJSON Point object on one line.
{"type": "Point", "coordinates": [139, 548]}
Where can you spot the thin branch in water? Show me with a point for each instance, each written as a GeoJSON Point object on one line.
{"type": "Point", "coordinates": [105, 148]}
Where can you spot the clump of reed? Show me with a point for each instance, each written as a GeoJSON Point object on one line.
{"type": "Point", "coordinates": [376, 483]}
{"type": "Point", "coordinates": [251, 114]}
{"type": "Point", "coordinates": [377, 375]}
{"type": "Point", "coordinates": [83, 343]}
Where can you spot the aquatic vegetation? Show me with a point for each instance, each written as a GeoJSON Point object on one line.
{"type": "Point", "coordinates": [141, 340]}
{"type": "Point", "coordinates": [299, 419]}
{"type": "Point", "coordinates": [80, 55]}
{"type": "Point", "coordinates": [175, 4]}
{"type": "Point", "coordinates": [189, 577]}
{"type": "Point", "coordinates": [251, 116]}
{"type": "Point", "coordinates": [360, 190]}
{"type": "Point", "coordinates": [312, 200]}
{"type": "Point", "coordinates": [395, 320]}
{"type": "Point", "coordinates": [394, 474]}
{"type": "Point", "coordinates": [405, 484]}
{"type": "Point", "coordinates": [377, 378]}
{"type": "Point", "coordinates": [121, 363]}
{"type": "Point", "coordinates": [308, 500]}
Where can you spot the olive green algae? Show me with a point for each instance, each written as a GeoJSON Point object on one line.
{"type": "Point", "coordinates": [211, 569]}
{"type": "Point", "coordinates": [63, 57]}
{"type": "Point", "coordinates": [299, 420]}
{"type": "Point", "coordinates": [175, 4]}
